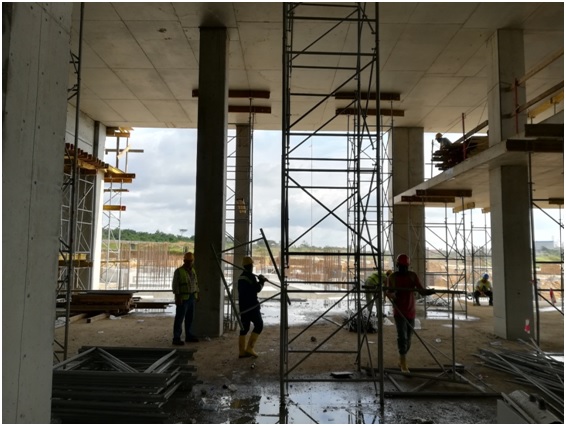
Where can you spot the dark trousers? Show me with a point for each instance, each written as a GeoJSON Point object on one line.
{"type": "Point", "coordinates": [489, 294]}
{"type": "Point", "coordinates": [251, 317]}
{"type": "Point", "coordinates": [404, 333]}
{"type": "Point", "coordinates": [185, 312]}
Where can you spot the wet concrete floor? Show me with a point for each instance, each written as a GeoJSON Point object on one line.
{"type": "Point", "coordinates": [322, 403]}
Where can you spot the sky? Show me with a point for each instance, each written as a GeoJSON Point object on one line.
{"type": "Point", "coordinates": [162, 195]}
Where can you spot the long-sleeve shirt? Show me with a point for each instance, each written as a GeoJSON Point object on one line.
{"type": "Point", "coordinates": [248, 288]}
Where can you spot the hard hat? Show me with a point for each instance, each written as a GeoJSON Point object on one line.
{"type": "Point", "coordinates": [485, 276]}
{"type": "Point", "coordinates": [188, 256]}
{"type": "Point", "coordinates": [388, 272]}
{"type": "Point", "coordinates": [247, 260]}
{"type": "Point", "coordinates": [438, 135]}
{"type": "Point", "coordinates": [403, 260]}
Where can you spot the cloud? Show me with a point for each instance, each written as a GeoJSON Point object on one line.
{"type": "Point", "coordinates": [162, 196]}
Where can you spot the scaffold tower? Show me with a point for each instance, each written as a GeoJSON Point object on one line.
{"type": "Point", "coordinates": [335, 169]}
{"type": "Point", "coordinates": [114, 268]}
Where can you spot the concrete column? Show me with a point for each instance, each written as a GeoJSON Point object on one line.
{"type": "Point", "coordinates": [35, 73]}
{"type": "Point", "coordinates": [99, 139]}
{"type": "Point", "coordinates": [511, 255]}
{"type": "Point", "coordinates": [408, 171]}
{"type": "Point", "coordinates": [243, 192]}
{"type": "Point", "coordinates": [211, 178]}
{"type": "Point", "coordinates": [506, 62]}
{"type": "Point", "coordinates": [509, 192]}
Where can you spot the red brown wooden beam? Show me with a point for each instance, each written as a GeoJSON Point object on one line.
{"type": "Point", "coordinates": [417, 199]}
{"type": "Point", "coordinates": [535, 145]}
{"type": "Point", "coordinates": [364, 95]}
{"type": "Point", "coordinates": [246, 94]}
{"type": "Point", "coordinates": [444, 192]}
{"type": "Point", "coordinates": [371, 112]}
{"type": "Point", "coordinates": [249, 109]}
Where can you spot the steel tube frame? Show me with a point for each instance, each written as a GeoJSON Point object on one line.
{"type": "Point", "coordinates": [293, 140]}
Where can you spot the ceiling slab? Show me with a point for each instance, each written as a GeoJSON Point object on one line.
{"type": "Point", "coordinates": [149, 52]}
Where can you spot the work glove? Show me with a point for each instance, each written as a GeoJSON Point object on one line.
{"type": "Point", "coordinates": [261, 278]}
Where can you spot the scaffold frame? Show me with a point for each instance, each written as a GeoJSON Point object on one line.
{"type": "Point", "coordinates": [345, 163]}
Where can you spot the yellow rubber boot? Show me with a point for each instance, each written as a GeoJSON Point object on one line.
{"type": "Point", "coordinates": [403, 364]}
{"type": "Point", "coordinates": [242, 347]}
{"type": "Point", "coordinates": [251, 343]}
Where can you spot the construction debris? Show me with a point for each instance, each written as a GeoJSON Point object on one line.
{"type": "Point", "coordinates": [532, 367]}
{"type": "Point", "coordinates": [119, 384]}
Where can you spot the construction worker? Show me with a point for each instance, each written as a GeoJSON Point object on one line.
{"type": "Point", "coordinates": [249, 285]}
{"type": "Point", "coordinates": [401, 286]}
{"type": "Point", "coordinates": [444, 142]}
{"type": "Point", "coordinates": [185, 289]}
{"type": "Point", "coordinates": [483, 288]}
{"type": "Point", "coordinates": [371, 284]}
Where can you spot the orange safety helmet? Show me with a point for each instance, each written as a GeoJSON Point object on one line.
{"type": "Point", "coordinates": [403, 260]}
{"type": "Point", "coordinates": [247, 260]}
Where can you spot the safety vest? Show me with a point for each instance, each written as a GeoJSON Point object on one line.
{"type": "Point", "coordinates": [185, 285]}
{"type": "Point", "coordinates": [373, 280]}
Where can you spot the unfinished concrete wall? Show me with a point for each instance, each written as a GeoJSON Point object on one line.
{"type": "Point", "coordinates": [35, 70]}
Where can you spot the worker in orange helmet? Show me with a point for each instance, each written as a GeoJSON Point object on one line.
{"type": "Point", "coordinates": [249, 285]}
{"type": "Point", "coordinates": [401, 287]}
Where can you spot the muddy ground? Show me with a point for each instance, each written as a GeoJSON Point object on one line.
{"type": "Point", "coordinates": [248, 390]}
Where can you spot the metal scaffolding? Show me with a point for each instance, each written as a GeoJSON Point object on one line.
{"type": "Point", "coordinates": [335, 168]}
{"type": "Point", "coordinates": [114, 268]}
{"type": "Point", "coordinates": [68, 246]}
{"type": "Point", "coordinates": [239, 212]}
{"type": "Point", "coordinates": [447, 246]}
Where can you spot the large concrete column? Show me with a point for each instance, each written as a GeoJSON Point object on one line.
{"type": "Point", "coordinates": [211, 178]}
{"type": "Point", "coordinates": [509, 192]}
{"type": "Point", "coordinates": [35, 71]}
{"type": "Point", "coordinates": [407, 147]}
{"type": "Point", "coordinates": [243, 192]}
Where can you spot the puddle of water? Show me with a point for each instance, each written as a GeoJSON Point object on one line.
{"type": "Point", "coordinates": [337, 406]}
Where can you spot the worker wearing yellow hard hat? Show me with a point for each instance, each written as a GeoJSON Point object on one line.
{"type": "Point", "coordinates": [249, 285]}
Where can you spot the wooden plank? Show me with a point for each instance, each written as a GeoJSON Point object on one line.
{"type": "Point", "coordinates": [96, 318]}
{"type": "Point", "coordinates": [544, 130]}
{"type": "Point", "coordinates": [371, 112]}
{"type": "Point", "coordinates": [383, 96]}
{"type": "Point", "coordinates": [445, 192]}
{"type": "Point", "coordinates": [535, 145]}
{"type": "Point", "coordinates": [77, 317]}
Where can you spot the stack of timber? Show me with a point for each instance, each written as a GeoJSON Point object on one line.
{"type": "Point", "coordinates": [120, 384]}
{"type": "Point", "coordinates": [448, 157]}
{"type": "Point", "coordinates": [116, 302]}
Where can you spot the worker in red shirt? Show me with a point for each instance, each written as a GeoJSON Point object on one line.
{"type": "Point", "coordinates": [401, 287]}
